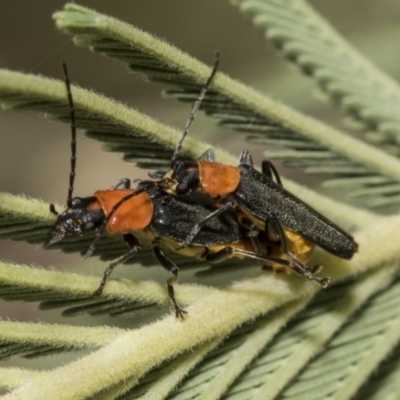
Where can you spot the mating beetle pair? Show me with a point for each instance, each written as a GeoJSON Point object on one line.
{"type": "Point", "coordinates": [262, 205]}
{"type": "Point", "coordinates": [253, 216]}
{"type": "Point", "coordinates": [162, 218]}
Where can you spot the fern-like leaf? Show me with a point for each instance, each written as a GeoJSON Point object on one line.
{"type": "Point", "coordinates": [250, 312]}
{"type": "Point", "coordinates": [117, 123]}
{"type": "Point", "coordinates": [35, 340]}
{"type": "Point", "coordinates": [281, 359]}
{"type": "Point", "coordinates": [73, 292]}
{"type": "Point", "coordinates": [303, 36]}
{"type": "Point", "coordinates": [354, 353]}
{"type": "Point", "coordinates": [368, 95]}
{"type": "Point", "coordinates": [321, 148]}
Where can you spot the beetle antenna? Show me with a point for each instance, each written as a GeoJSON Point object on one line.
{"type": "Point", "coordinates": [73, 135]}
{"type": "Point", "coordinates": [196, 107]}
{"type": "Point", "coordinates": [73, 141]}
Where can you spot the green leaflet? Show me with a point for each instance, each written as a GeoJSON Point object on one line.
{"type": "Point", "coordinates": [370, 97]}
{"type": "Point", "coordinates": [303, 36]}
{"type": "Point", "coordinates": [238, 107]}
{"type": "Point", "coordinates": [196, 352]}
{"type": "Point", "coordinates": [284, 356]}
{"type": "Point", "coordinates": [34, 340]}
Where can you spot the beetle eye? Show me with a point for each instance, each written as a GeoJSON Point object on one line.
{"type": "Point", "coordinates": [182, 188]}
{"type": "Point", "coordinates": [76, 202]}
{"type": "Point", "coordinates": [89, 226]}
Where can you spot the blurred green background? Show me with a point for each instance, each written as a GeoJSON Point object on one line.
{"type": "Point", "coordinates": [34, 153]}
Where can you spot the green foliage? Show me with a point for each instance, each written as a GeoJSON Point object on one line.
{"type": "Point", "coordinates": [368, 96]}
{"type": "Point", "coordinates": [314, 146]}
{"type": "Point", "coordinates": [349, 79]}
{"type": "Point", "coordinates": [258, 338]}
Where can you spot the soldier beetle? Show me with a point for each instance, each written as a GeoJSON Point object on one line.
{"type": "Point", "coordinates": [161, 217]}
{"type": "Point", "coordinates": [259, 199]}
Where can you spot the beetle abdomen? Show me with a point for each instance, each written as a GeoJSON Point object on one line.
{"type": "Point", "coordinates": [262, 199]}
{"type": "Point", "coordinates": [175, 218]}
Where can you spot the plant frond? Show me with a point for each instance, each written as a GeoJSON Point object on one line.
{"type": "Point", "coordinates": [130, 356]}
{"type": "Point", "coordinates": [352, 355]}
{"type": "Point", "coordinates": [230, 343]}
{"type": "Point", "coordinates": [366, 93]}
{"type": "Point", "coordinates": [115, 121]}
{"type": "Point", "coordinates": [248, 365]}
{"type": "Point", "coordinates": [129, 352]}
{"type": "Point", "coordinates": [122, 129]}
{"type": "Point", "coordinates": [386, 380]}
{"type": "Point", "coordinates": [11, 378]}
{"type": "Point", "coordinates": [34, 340]}
{"type": "Point", "coordinates": [73, 292]}
{"type": "Point", "coordinates": [237, 106]}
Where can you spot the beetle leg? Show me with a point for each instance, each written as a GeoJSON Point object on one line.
{"type": "Point", "coordinates": [272, 237]}
{"type": "Point", "coordinates": [155, 175]}
{"type": "Point", "coordinates": [53, 210]}
{"type": "Point", "coordinates": [252, 232]}
{"type": "Point", "coordinates": [248, 225]}
{"type": "Point", "coordinates": [228, 252]}
{"type": "Point", "coordinates": [173, 269]}
{"type": "Point", "coordinates": [269, 170]}
{"type": "Point", "coordinates": [295, 264]}
{"type": "Point", "coordinates": [255, 241]}
{"type": "Point", "coordinates": [245, 158]}
{"type": "Point", "coordinates": [197, 227]}
{"type": "Point", "coordinates": [274, 234]}
{"type": "Point", "coordinates": [302, 269]}
{"type": "Point", "coordinates": [292, 263]}
{"type": "Point", "coordinates": [316, 269]}
{"type": "Point", "coordinates": [122, 184]}
{"type": "Point", "coordinates": [208, 155]}
{"type": "Point", "coordinates": [134, 246]}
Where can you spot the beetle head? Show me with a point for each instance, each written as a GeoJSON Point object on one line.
{"type": "Point", "coordinates": [76, 220]}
